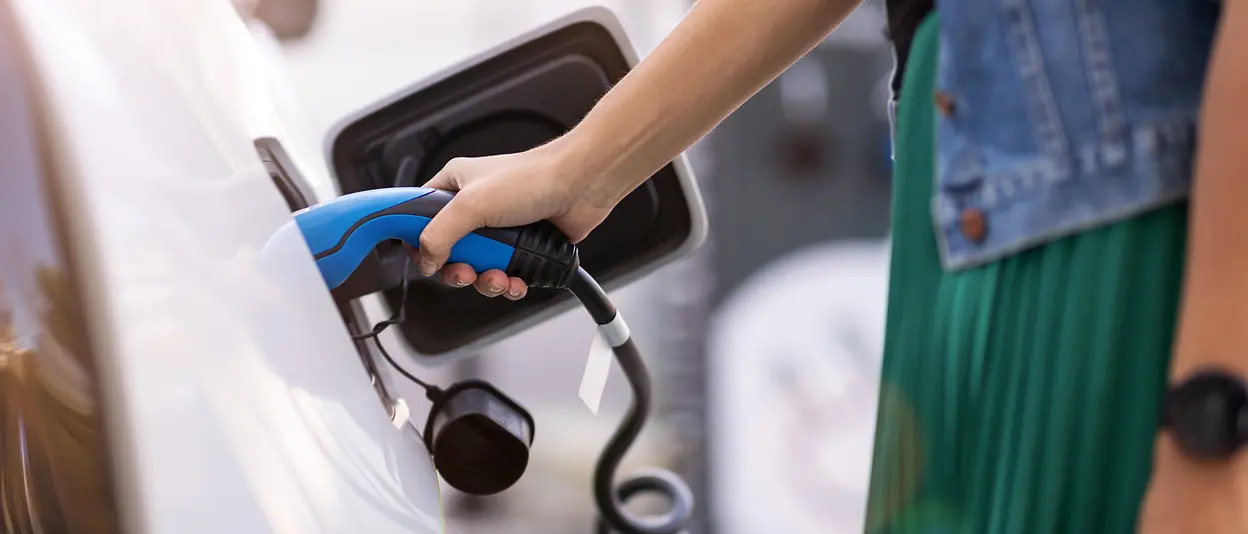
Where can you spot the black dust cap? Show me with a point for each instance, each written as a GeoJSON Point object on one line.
{"type": "Point", "coordinates": [479, 438]}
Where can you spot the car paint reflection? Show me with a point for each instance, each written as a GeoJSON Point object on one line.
{"type": "Point", "coordinates": [54, 476]}
{"type": "Point", "coordinates": [54, 464]}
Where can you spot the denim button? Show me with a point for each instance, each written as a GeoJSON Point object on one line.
{"type": "Point", "coordinates": [973, 225]}
{"type": "Point", "coordinates": [945, 103]}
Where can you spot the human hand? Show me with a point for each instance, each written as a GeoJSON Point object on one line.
{"type": "Point", "coordinates": [501, 191]}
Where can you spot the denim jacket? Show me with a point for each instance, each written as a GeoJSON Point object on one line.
{"type": "Point", "coordinates": [1062, 115]}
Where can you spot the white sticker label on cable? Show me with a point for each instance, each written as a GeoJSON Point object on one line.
{"type": "Point", "coordinates": [597, 369]}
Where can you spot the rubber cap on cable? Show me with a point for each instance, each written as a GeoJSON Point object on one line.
{"type": "Point", "coordinates": [479, 438]}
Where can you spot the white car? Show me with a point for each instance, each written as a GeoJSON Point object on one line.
{"type": "Point", "coordinates": [166, 364]}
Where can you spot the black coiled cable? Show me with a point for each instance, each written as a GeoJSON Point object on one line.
{"type": "Point", "coordinates": [610, 498]}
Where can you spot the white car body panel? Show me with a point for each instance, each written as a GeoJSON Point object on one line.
{"type": "Point", "coordinates": [238, 402]}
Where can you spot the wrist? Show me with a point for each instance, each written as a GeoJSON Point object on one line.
{"type": "Point", "coordinates": [1213, 492]}
{"type": "Point", "coordinates": [1206, 413]}
{"type": "Point", "coordinates": [591, 167]}
{"type": "Point", "coordinates": [1186, 496]}
{"type": "Point", "coordinates": [1199, 467]}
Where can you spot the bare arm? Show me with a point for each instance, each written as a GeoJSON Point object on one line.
{"type": "Point", "coordinates": [723, 52]}
{"type": "Point", "coordinates": [1213, 327]}
{"type": "Point", "coordinates": [1215, 307]}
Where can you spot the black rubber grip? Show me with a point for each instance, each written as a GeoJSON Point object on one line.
{"type": "Point", "coordinates": [544, 257]}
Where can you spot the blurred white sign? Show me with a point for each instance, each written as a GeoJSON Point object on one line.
{"type": "Point", "coordinates": [794, 373]}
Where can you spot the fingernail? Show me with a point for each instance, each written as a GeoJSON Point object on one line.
{"type": "Point", "coordinates": [459, 282]}
{"type": "Point", "coordinates": [513, 293]}
{"type": "Point", "coordinates": [427, 267]}
{"type": "Point", "coordinates": [495, 288]}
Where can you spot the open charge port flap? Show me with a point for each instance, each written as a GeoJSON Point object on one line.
{"type": "Point", "coordinates": [522, 96]}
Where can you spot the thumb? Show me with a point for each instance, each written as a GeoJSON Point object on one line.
{"type": "Point", "coordinates": [446, 228]}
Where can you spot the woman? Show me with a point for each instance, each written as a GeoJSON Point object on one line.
{"type": "Point", "coordinates": [1042, 237]}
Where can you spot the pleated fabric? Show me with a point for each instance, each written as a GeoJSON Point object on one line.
{"type": "Point", "coordinates": [1020, 397]}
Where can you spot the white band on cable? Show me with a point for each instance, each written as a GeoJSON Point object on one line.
{"type": "Point", "coordinates": [598, 366]}
{"type": "Point", "coordinates": [615, 333]}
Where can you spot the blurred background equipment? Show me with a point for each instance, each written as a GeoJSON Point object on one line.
{"type": "Point", "coordinates": [799, 178]}
{"type": "Point", "coordinates": [793, 386]}
{"type": "Point", "coordinates": [801, 165]}
{"type": "Point", "coordinates": [801, 162]}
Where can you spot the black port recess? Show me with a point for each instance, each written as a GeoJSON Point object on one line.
{"type": "Point", "coordinates": [513, 101]}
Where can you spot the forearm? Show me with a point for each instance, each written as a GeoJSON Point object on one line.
{"type": "Point", "coordinates": [1212, 329]}
{"type": "Point", "coordinates": [723, 52]}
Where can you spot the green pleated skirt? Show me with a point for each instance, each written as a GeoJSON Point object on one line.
{"type": "Point", "coordinates": [1019, 397]}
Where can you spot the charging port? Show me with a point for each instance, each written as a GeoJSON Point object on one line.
{"type": "Point", "coordinates": [296, 193]}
